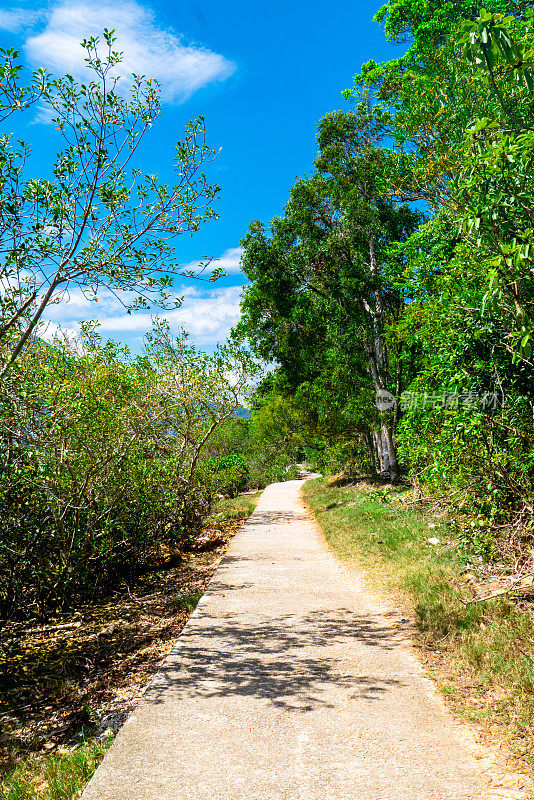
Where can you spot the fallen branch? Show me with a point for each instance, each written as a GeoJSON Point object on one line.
{"type": "Point", "coordinates": [524, 652]}
{"type": "Point", "coordinates": [514, 587]}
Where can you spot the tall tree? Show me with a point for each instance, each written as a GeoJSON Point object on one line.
{"type": "Point", "coordinates": [332, 246]}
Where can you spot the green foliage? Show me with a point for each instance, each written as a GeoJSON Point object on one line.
{"type": "Point", "coordinates": [355, 291]}
{"type": "Point", "coordinates": [100, 452]}
{"type": "Point", "coordinates": [100, 461]}
{"type": "Point", "coordinates": [95, 222]}
{"type": "Point", "coordinates": [188, 602]}
{"type": "Point", "coordinates": [228, 474]}
{"type": "Point", "coordinates": [231, 509]}
{"type": "Point", "coordinates": [324, 288]}
{"type": "Point", "coordinates": [254, 452]}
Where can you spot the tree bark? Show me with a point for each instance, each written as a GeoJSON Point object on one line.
{"type": "Point", "coordinates": [390, 452]}
{"type": "Point", "coordinates": [371, 448]}
{"type": "Point", "coordinates": [378, 367]}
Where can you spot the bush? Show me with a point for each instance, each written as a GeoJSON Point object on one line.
{"type": "Point", "coordinates": [99, 464]}
{"type": "Point", "coordinates": [48, 560]}
{"type": "Point", "coordinates": [239, 449]}
{"type": "Point", "coordinates": [228, 475]}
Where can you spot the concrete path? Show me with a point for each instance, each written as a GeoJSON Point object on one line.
{"type": "Point", "coordinates": [287, 682]}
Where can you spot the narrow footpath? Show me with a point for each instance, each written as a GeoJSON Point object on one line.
{"type": "Point", "coordinates": [287, 682]}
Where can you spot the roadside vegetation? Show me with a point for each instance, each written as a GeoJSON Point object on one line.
{"type": "Point", "coordinates": [54, 777]}
{"type": "Point", "coordinates": [394, 293]}
{"type": "Point", "coordinates": [121, 475]}
{"type": "Point", "coordinates": [109, 461]}
{"type": "Point", "coordinates": [480, 651]}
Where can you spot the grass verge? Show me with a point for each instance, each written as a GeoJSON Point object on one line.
{"type": "Point", "coordinates": [230, 509]}
{"type": "Point", "coordinates": [480, 653]}
{"type": "Point", "coordinates": [60, 776]}
{"type": "Point", "coordinates": [63, 684]}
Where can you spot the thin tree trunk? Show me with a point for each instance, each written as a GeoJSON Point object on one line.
{"type": "Point", "coordinates": [390, 451]}
{"type": "Point", "coordinates": [398, 391]}
{"type": "Point", "coordinates": [29, 329]}
{"type": "Point", "coordinates": [377, 439]}
{"type": "Point", "coordinates": [371, 448]}
{"type": "Point", "coordinates": [378, 367]}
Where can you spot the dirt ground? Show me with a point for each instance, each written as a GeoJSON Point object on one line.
{"type": "Point", "coordinates": [82, 674]}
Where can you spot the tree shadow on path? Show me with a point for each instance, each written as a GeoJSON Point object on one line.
{"type": "Point", "coordinates": [283, 660]}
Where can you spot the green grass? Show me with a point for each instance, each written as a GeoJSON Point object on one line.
{"type": "Point", "coordinates": [483, 652]}
{"type": "Point", "coordinates": [233, 509]}
{"type": "Point", "coordinates": [187, 602]}
{"type": "Point", "coordinates": [53, 777]}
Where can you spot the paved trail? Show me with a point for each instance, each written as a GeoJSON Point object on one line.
{"type": "Point", "coordinates": [286, 683]}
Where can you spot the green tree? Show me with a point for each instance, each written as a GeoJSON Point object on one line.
{"type": "Point", "coordinates": [494, 198]}
{"type": "Point", "coordinates": [324, 277]}
{"type": "Point", "coordinates": [101, 459]}
{"type": "Point", "coordinates": [96, 222]}
{"type": "Point", "coordinates": [457, 108]}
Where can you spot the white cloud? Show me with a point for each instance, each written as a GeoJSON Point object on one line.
{"type": "Point", "coordinates": [75, 305]}
{"type": "Point", "coordinates": [230, 262]}
{"type": "Point", "coordinates": [49, 331]}
{"type": "Point", "coordinates": [17, 19]}
{"type": "Point", "coordinates": [208, 316]}
{"type": "Point", "coordinates": [148, 49]}
{"type": "Point", "coordinates": [211, 318]}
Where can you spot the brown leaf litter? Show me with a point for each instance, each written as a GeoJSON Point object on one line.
{"type": "Point", "coordinates": [83, 673]}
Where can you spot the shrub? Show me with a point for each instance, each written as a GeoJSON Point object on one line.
{"type": "Point", "coordinates": [229, 474]}
{"type": "Point", "coordinates": [99, 463]}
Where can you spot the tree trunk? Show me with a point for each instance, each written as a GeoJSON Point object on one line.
{"type": "Point", "coordinates": [371, 448]}
{"type": "Point", "coordinates": [391, 463]}
{"type": "Point", "coordinates": [378, 368]}
{"type": "Point", "coordinates": [378, 443]}
{"type": "Point", "coordinates": [398, 391]}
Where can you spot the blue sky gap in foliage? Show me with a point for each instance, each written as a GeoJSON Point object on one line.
{"type": "Point", "coordinates": [260, 73]}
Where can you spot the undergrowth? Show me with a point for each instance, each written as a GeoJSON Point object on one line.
{"type": "Point", "coordinates": [228, 509]}
{"type": "Point", "coordinates": [110, 641]}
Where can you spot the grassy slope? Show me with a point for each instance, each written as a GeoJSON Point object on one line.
{"type": "Point", "coordinates": [481, 654]}
{"type": "Point", "coordinates": [62, 774]}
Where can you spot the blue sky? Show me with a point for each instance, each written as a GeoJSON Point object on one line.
{"type": "Point", "coordinates": [261, 73]}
